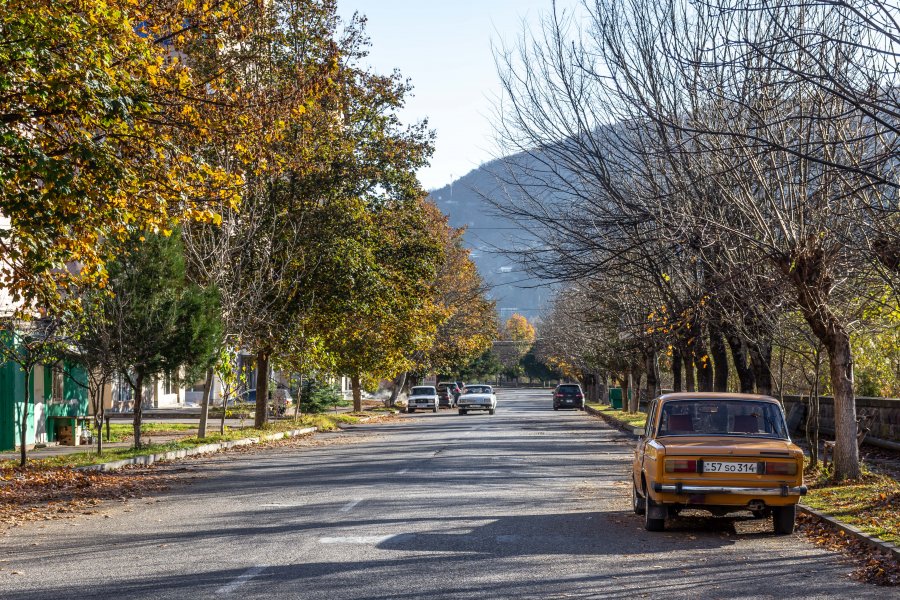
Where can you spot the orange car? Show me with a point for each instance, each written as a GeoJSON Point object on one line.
{"type": "Point", "coordinates": [718, 452]}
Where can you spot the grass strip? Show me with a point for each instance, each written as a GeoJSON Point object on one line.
{"type": "Point", "coordinates": [637, 419]}
{"type": "Point", "coordinates": [871, 503]}
{"type": "Point", "coordinates": [324, 422]}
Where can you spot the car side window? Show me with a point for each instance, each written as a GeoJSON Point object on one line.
{"type": "Point", "coordinates": [651, 420]}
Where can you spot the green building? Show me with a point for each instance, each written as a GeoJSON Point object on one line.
{"type": "Point", "coordinates": [59, 400]}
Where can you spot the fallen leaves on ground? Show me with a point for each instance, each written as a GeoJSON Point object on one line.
{"type": "Point", "coordinates": [41, 494]}
{"type": "Point", "coordinates": [870, 566]}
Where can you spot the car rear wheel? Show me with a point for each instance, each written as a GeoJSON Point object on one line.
{"type": "Point", "coordinates": [462, 411]}
{"type": "Point", "coordinates": [637, 502]}
{"type": "Point", "coordinates": [555, 408]}
{"type": "Point", "coordinates": [783, 518]}
{"type": "Point", "coordinates": [651, 524]}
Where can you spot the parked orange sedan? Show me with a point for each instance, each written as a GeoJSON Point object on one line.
{"type": "Point", "coordinates": [718, 452]}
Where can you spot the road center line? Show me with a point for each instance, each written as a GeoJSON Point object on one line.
{"type": "Point", "coordinates": [241, 580]}
{"type": "Point", "coordinates": [349, 506]}
{"type": "Point", "coordinates": [403, 472]}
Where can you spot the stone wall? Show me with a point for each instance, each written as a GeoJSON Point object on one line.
{"type": "Point", "coordinates": [886, 425]}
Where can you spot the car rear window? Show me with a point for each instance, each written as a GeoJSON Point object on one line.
{"type": "Point", "coordinates": [423, 391]}
{"type": "Point", "coordinates": [478, 389]}
{"type": "Point", "coordinates": [569, 389]}
{"type": "Point", "coordinates": [722, 417]}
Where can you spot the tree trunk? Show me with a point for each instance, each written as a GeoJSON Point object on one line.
{"type": "Point", "coordinates": [676, 370]}
{"type": "Point", "coordinates": [138, 408]}
{"type": "Point", "coordinates": [357, 393]}
{"type": "Point", "coordinates": [846, 450]}
{"type": "Point", "coordinates": [760, 362]}
{"type": "Point", "coordinates": [704, 369]}
{"type": "Point", "coordinates": [399, 383]}
{"type": "Point", "coordinates": [23, 424]}
{"type": "Point", "coordinates": [204, 403]}
{"type": "Point", "coordinates": [262, 387]}
{"type": "Point", "coordinates": [741, 360]}
{"type": "Point", "coordinates": [719, 355]}
{"type": "Point", "coordinates": [652, 375]}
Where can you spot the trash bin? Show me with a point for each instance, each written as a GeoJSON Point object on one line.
{"type": "Point", "coordinates": [615, 398]}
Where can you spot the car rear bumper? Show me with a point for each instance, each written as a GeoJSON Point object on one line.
{"type": "Point", "coordinates": [475, 407]}
{"type": "Point", "coordinates": [692, 490]}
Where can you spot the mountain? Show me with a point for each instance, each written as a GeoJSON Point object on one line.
{"type": "Point", "coordinates": [491, 237]}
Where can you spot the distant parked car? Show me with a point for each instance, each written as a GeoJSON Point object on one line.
{"type": "Point", "coordinates": [445, 393]}
{"type": "Point", "coordinates": [422, 397]}
{"type": "Point", "coordinates": [718, 452]}
{"type": "Point", "coordinates": [477, 397]}
{"type": "Point", "coordinates": [568, 395]}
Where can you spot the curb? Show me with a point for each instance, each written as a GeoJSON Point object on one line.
{"type": "Point", "coordinates": [204, 449]}
{"type": "Point", "coordinates": [870, 540]}
{"type": "Point", "coordinates": [620, 425]}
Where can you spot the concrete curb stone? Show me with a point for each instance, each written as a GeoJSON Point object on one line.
{"type": "Point", "coordinates": [204, 449]}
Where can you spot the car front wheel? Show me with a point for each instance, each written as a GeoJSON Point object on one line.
{"type": "Point", "coordinates": [637, 502]}
{"type": "Point", "coordinates": [783, 518]}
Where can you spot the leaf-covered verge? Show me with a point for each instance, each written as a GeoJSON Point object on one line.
{"type": "Point", "coordinates": [42, 493]}
{"type": "Point", "coordinates": [869, 567]}
{"type": "Point", "coordinates": [324, 422]}
{"type": "Point", "coordinates": [871, 503]}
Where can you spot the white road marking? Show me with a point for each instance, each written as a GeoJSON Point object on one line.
{"type": "Point", "coordinates": [403, 472]}
{"type": "Point", "coordinates": [368, 540]}
{"type": "Point", "coordinates": [349, 506]}
{"type": "Point", "coordinates": [241, 580]}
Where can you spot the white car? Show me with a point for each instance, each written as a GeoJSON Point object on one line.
{"type": "Point", "coordinates": [477, 397]}
{"type": "Point", "coordinates": [422, 396]}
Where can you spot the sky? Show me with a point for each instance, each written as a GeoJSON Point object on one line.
{"type": "Point", "coordinates": [444, 48]}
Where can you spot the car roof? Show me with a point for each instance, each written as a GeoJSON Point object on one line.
{"type": "Point", "coordinates": [716, 396]}
{"type": "Point", "coordinates": [478, 385]}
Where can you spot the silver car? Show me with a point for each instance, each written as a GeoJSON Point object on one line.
{"type": "Point", "coordinates": [422, 396]}
{"type": "Point", "coordinates": [477, 397]}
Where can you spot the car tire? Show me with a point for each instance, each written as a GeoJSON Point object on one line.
{"type": "Point", "coordinates": [491, 411]}
{"type": "Point", "coordinates": [652, 524]}
{"type": "Point", "coordinates": [410, 410]}
{"type": "Point", "coordinates": [637, 502]}
{"type": "Point", "coordinates": [463, 411]}
{"type": "Point", "coordinates": [783, 519]}
{"type": "Point", "coordinates": [555, 408]}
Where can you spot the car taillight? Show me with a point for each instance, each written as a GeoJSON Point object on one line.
{"type": "Point", "coordinates": [558, 395]}
{"type": "Point", "coordinates": [579, 396]}
{"type": "Point", "coordinates": [781, 468]}
{"type": "Point", "coordinates": [681, 466]}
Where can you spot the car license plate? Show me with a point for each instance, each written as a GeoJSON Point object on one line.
{"type": "Point", "coordinates": [710, 466]}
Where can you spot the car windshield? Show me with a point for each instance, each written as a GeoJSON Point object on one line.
{"type": "Point", "coordinates": [722, 417]}
{"type": "Point", "coordinates": [423, 391]}
{"type": "Point", "coordinates": [478, 389]}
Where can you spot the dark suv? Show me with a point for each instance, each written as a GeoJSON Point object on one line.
{"type": "Point", "coordinates": [568, 395]}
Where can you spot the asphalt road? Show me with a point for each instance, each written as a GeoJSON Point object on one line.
{"type": "Point", "coordinates": [528, 503]}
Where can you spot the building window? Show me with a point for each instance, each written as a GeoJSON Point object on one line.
{"type": "Point", "coordinates": [56, 384]}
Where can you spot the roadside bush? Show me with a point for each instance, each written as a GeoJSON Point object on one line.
{"type": "Point", "coordinates": [316, 397]}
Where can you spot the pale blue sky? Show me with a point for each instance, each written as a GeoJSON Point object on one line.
{"type": "Point", "coordinates": [444, 47]}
